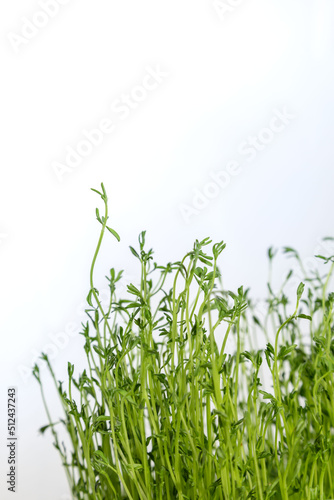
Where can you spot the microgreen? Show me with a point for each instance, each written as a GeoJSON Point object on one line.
{"type": "Point", "coordinates": [163, 411]}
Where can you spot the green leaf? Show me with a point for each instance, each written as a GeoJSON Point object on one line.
{"type": "Point", "coordinates": [98, 454]}
{"type": "Point", "coordinates": [130, 467]}
{"type": "Point", "coordinates": [99, 351]}
{"type": "Point", "coordinates": [96, 191]}
{"type": "Point", "coordinates": [133, 251]}
{"type": "Point", "coordinates": [44, 428]}
{"type": "Point", "coordinates": [89, 296]}
{"type": "Point", "coordinates": [131, 305]}
{"type": "Point", "coordinates": [264, 454]}
{"type": "Point", "coordinates": [98, 215]}
{"type": "Point", "coordinates": [218, 248]}
{"type": "Point", "coordinates": [104, 191]}
{"type": "Point", "coordinates": [204, 242]}
{"type": "Point", "coordinates": [290, 250]}
{"type": "Point", "coordinates": [210, 275]}
{"type": "Point", "coordinates": [270, 349]}
{"type": "Point", "coordinates": [248, 356]}
{"type": "Point", "coordinates": [70, 369]}
{"type": "Point", "coordinates": [141, 239]}
{"type": "Point", "coordinates": [112, 231]}
{"type": "Point", "coordinates": [304, 316]}
{"type": "Point", "coordinates": [239, 422]}
{"type": "Point", "coordinates": [320, 257]}
{"type": "Point", "coordinates": [284, 351]}
{"type": "Point", "coordinates": [126, 395]}
{"type": "Point", "coordinates": [300, 290]}
{"type": "Point", "coordinates": [102, 418]}
{"type": "Point", "coordinates": [206, 259]}
{"type": "Point", "coordinates": [256, 321]}
{"type": "Point", "coordinates": [271, 253]}
{"type": "Point", "coordinates": [258, 359]}
{"type": "Point", "coordinates": [36, 373]}
{"type": "Point", "coordinates": [266, 395]}
{"type": "Point", "coordinates": [326, 259]}
{"type": "Point", "coordinates": [290, 273]}
{"type": "Point", "coordinates": [132, 289]}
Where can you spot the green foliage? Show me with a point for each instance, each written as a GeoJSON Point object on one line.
{"type": "Point", "coordinates": [163, 412]}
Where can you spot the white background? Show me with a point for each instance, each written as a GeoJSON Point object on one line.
{"type": "Point", "coordinates": [225, 75]}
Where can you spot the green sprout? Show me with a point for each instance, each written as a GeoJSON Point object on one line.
{"type": "Point", "coordinates": [162, 411]}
